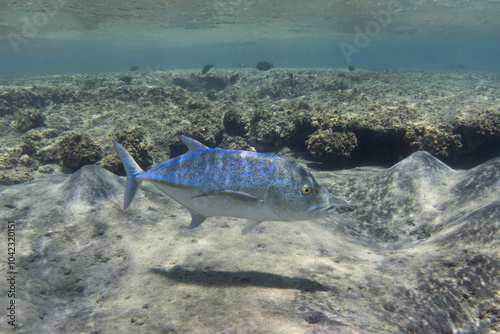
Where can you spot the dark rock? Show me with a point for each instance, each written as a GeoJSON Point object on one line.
{"type": "Point", "coordinates": [216, 83]}
{"type": "Point", "coordinates": [183, 83]}
{"type": "Point", "coordinates": [389, 306]}
{"type": "Point", "coordinates": [198, 105]}
{"type": "Point", "coordinates": [126, 79]}
{"type": "Point", "coordinates": [315, 317]}
{"type": "Point", "coordinates": [234, 123]}
{"type": "Point", "coordinates": [28, 119]}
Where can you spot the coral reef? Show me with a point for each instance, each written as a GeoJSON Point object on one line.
{"type": "Point", "coordinates": [77, 150]}
{"type": "Point", "coordinates": [327, 145]}
{"type": "Point", "coordinates": [333, 116]}
{"type": "Point", "coordinates": [133, 141]}
{"type": "Point", "coordinates": [435, 141]}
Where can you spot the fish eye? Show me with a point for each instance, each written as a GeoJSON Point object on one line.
{"type": "Point", "coordinates": [305, 190]}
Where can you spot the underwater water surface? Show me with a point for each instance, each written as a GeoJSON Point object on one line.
{"type": "Point", "coordinates": [64, 36]}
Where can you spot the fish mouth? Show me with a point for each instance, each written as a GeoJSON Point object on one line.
{"type": "Point", "coordinates": [323, 210]}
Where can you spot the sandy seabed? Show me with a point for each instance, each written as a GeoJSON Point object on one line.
{"type": "Point", "coordinates": [412, 248]}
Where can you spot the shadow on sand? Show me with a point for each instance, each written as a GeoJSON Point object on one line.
{"type": "Point", "coordinates": [240, 278]}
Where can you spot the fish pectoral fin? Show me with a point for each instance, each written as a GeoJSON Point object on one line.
{"type": "Point", "coordinates": [196, 219]}
{"type": "Point", "coordinates": [250, 226]}
{"type": "Point", "coordinates": [238, 195]}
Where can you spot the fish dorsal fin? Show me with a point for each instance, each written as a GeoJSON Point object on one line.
{"type": "Point", "coordinates": [193, 145]}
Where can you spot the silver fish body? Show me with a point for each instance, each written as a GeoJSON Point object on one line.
{"type": "Point", "coordinates": [213, 182]}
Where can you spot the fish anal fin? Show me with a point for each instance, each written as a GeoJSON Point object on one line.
{"type": "Point", "coordinates": [196, 219]}
{"type": "Point", "coordinates": [238, 195]}
{"type": "Point", "coordinates": [250, 226]}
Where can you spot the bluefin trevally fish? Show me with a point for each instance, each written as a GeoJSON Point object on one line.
{"type": "Point", "coordinates": [214, 182]}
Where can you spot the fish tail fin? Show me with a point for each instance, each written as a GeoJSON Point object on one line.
{"type": "Point", "coordinates": [132, 169]}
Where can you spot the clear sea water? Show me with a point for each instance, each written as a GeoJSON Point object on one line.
{"type": "Point", "coordinates": [411, 249]}
{"type": "Point", "coordinates": [68, 37]}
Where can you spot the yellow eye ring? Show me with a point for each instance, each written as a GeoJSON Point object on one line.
{"type": "Point", "coordinates": [305, 190]}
